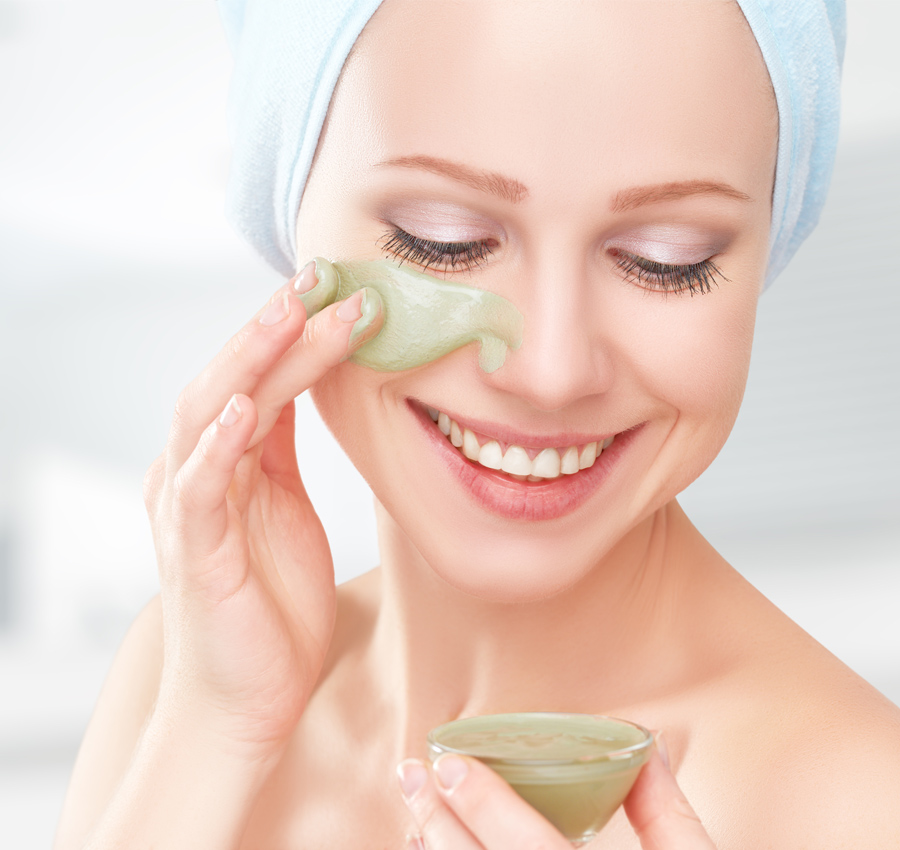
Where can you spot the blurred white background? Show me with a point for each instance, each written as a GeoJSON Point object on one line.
{"type": "Point", "coordinates": [120, 278]}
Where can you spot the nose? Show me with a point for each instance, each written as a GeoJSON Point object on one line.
{"type": "Point", "coordinates": [564, 356]}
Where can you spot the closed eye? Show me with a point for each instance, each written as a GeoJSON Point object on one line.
{"type": "Point", "coordinates": [695, 278]}
{"type": "Point", "coordinates": [447, 256]}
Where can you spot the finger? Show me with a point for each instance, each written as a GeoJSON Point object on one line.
{"type": "Point", "coordinates": [660, 813]}
{"type": "Point", "coordinates": [328, 339]}
{"type": "Point", "coordinates": [154, 479]}
{"type": "Point", "coordinates": [238, 367]}
{"type": "Point", "coordinates": [200, 487]}
{"type": "Point", "coordinates": [279, 453]}
{"type": "Point", "coordinates": [491, 810]}
{"type": "Point", "coordinates": [439, 828]}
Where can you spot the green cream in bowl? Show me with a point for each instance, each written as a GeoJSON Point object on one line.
{"type": "Point", "coordinates": [575, 769]}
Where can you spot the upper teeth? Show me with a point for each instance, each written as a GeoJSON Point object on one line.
{"type": "Point", "coordinates": [516, 460]}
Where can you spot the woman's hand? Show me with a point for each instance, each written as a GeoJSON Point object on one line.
{"type": "Point", "coordinates": [463, 805]}
{"type": "Point", "coordinates": [247, 580]}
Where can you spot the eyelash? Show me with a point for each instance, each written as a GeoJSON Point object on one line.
{"type": "Point", "coordinates": [428, 254]}
{"type": "Point", "coordinates": [695, 278]}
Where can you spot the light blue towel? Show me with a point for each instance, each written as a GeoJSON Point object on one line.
{"type": "Point", "coordinates": [289, 54]}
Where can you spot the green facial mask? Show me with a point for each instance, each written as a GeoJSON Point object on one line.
{"type": "Point", "coordinates": [424, 317]}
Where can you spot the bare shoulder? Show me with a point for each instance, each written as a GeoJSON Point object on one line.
{"type": "Point", "coordinates": [124, 704]}
{"type": "Point", "coordinates": [839, 764]}
{"type": "Point", "coordinates": [848, 782]}
{"type": "Point", "coordinates": [802, 750]}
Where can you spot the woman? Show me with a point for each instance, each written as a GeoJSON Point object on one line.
{"type": "Point", "coordinates": [610, 169]}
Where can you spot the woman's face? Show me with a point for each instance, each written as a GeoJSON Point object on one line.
{"type": "Point", "coordinates": [608, 168]}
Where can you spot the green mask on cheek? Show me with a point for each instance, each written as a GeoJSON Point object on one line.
{"type": "Point", "coordinates": [424, 317]}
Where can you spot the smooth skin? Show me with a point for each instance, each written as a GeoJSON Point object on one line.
{"type": "Point", "coordinates": [253, 705]}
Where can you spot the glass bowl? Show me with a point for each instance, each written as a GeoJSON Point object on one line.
{"type": "Point", "coordinates": [575, 769]}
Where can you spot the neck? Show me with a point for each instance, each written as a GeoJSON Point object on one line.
{"type": "Point", "coordinates": [602, 646]}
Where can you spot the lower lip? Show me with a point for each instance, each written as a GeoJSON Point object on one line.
{"type": "Point", "coordinates": [523, 500]}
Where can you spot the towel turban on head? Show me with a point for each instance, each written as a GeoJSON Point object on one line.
{"type": "Point", "coordinates": [289, 55]}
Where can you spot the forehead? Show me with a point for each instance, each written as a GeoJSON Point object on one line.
{"type": "Point", "coordinates": [567, 97]}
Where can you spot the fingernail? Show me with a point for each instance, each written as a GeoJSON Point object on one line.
{"type": "Point", "coordinates": [350, 309]}
{"type": "Point", "coordinates": [306, 279]}
{"type": "Point", "coordinates": [450, 771]}
{"type": "Point", "coordinates": [277, 311]}
{"type": "Point", "coordinates": [662, 748]}
{"type": "Point", "coordinates": [231, 413]}
{"type": "Point", "coordinates": [316, 285]}
{"type": "Point", "coordinates": [366, 326]}
{"type": "Point", "coordinates": [412, 775]}
{"type": "Point", "coordinates": [414, 842]}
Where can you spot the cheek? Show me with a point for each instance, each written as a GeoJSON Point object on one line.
{"type": "Point", "coordinates": [365, 411]}
{"type": "Point", "coordinates": [690, 360]}
{"type": "Point", "coordinates": [342, 398]}
{"type": "Point", "coordinates": [721, 349]}
{"type": "Point", "coordinates": [698, 369]}
{"type": "Point", "coordinates": [691, 352]}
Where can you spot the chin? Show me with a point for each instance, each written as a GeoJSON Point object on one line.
{"type": "Point", "coordinates": [499, 561]}
{"type": "Point", "coordinates": [507, 572]}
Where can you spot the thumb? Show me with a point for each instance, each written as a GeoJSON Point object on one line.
{"type": "Point", "coordinates": [659, 813]}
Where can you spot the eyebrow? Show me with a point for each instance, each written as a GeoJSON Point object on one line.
{"type": "Point", "coordinates": [485, 181]}
{"type": "Point", "coordinates": [637, 196]}
{"type": "Point", "coordinates": [513, 191]}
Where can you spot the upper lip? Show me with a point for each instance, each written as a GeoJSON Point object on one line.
{"type": "Point", "coordinates": [512, 436]}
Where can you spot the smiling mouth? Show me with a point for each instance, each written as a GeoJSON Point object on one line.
{"type": "Point", "coordinates": [521, 463]}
